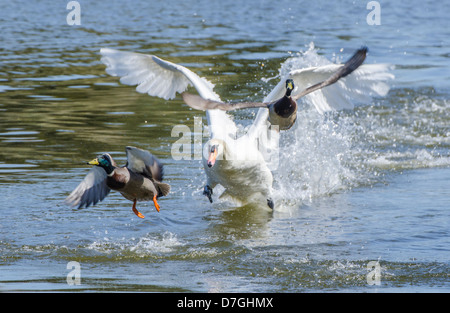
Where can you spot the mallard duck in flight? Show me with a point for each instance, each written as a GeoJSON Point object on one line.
{"type": "Point", "coordinates": [283, 111]}
{"type": "Point", "coordinates": [138, 180]}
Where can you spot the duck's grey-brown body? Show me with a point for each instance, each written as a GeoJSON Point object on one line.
{"type": "Point", "coordinates": [283, 112]}
{"type": "Point", "coordinates": [135, 186]}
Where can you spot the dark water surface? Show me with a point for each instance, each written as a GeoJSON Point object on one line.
{"type": "Point", "coordinates": [369, 185]}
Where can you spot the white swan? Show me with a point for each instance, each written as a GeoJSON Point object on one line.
{"type": "Point", "coordinates": [241, 165]}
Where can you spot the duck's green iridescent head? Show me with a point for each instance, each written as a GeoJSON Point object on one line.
{"type": "Point", "coordinates": [289, 86]}
{"type": "Point", "coordinates": [104, 161]}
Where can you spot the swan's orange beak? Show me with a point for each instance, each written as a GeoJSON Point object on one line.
{"type": "Point", "coordinates": [212, 156]}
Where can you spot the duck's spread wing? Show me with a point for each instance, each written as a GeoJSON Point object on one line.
{"type": "Point", "coordinates": [352, 64]}
{"type": "Point", "coordinates": [199, 103]}
{"type": "Point", "coordinates": [152, 75]}
{"type": "Point", "coordinates": [143, 162]}
{"type": "Point", "coordinates": [91, 190]}
{"type": "Point", "coordinates": [367, 81]}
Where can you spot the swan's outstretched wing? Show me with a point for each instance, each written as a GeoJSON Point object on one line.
{"type": "Point", "coordinates": [153, 75]}
{"type": "Point", "coordinates": [91, 190]}
{"type": "Point", "coordinates": [164, 79]}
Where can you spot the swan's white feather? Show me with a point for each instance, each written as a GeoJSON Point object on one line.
{"type": "Point", "coordinates": [164, 79]}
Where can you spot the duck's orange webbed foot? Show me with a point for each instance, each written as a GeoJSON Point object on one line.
{"type": "Point", "coordinates": [139, 214]}
{"type": "Point", "coordinates": [156, 203]}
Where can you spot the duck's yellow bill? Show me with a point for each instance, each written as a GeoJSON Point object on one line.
{"type": "Point", "coordinates": [94, 162]}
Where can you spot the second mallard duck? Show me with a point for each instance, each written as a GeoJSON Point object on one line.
{"type": "Point", "coordinates": [139, 180]}
{"type": "Point", "coordinates": [282, 112]}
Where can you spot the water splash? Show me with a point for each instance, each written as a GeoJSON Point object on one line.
{"type": "Point", "coordinates": [327, 153]}
{"type": "Point", "coordinates": [314, 158]}
{"type": "Point", "coordinates": [147, 246]}
{"type": "Point", "coordinates": [315, 152]}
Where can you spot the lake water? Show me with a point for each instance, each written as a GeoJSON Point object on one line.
{"type": "Point", "coordinates": [363, 196]}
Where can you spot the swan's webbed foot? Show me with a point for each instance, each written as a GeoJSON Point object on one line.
{"type": "Point", "coordinates": [207, 191]}
{"type": "Point", "coordinates": [270, 203]}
